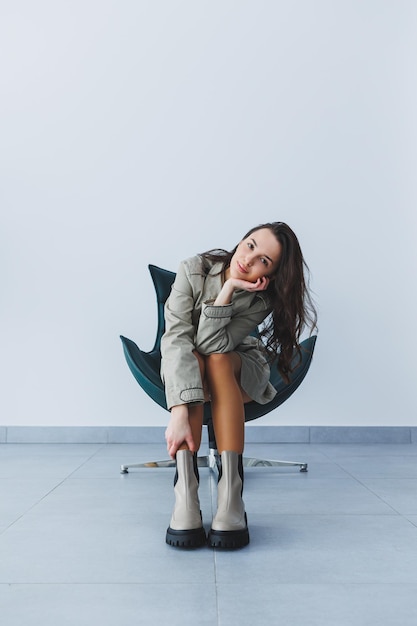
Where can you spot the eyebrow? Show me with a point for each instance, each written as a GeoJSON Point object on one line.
{"type": "Point", "coordinates": [265, 255]}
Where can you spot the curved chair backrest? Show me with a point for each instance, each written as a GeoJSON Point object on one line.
{"type": "Point", "coordinates": [145, 366]}
{"type": "Point", "coordinates": [162, 281]}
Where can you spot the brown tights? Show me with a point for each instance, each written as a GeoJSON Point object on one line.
{"type": "Point", "coordinates": [221, 375]}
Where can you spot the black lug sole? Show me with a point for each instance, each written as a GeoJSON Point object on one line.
{"type": "Point", "coordinates": [192, 538]}
{"type": "Point", "coordinates": [228, 539]}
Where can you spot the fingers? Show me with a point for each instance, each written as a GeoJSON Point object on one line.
{"type": "Point", "coordinates": [259, 285]}
{"type": "Point", "coordinates": [262, 283]}
{"type": "Point", "coordinates": [172, 445]}
{"type": "Point", "coordinates": [190, 443]}
{"type": "Point", "coordinates": [175, 443]}
{"type": "Point", "coordinates": [173, 448]}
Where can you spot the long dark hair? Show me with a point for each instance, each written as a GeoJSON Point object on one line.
{"type": "Point", "coordinates": [292, 306]}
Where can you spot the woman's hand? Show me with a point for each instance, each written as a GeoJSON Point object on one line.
{"type": "Point", "coordinates": [260, 285]}
{"type": "Point", "coordinates": [179, 431]}
{"type": "Point", "coordinates": [231, 284]}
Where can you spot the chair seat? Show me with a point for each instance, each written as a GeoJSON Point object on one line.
{"type": "Point", "coordinates": [145, 368]}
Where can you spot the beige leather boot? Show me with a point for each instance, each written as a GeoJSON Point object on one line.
{"type": "Point", "coordinates": [186, 527]}
{"type": "Point", "coordinates": [229, 527]}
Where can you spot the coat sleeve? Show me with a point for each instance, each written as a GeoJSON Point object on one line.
{"type": "Point", "coordinates": [179, 367]}
{"type": "Point", "coordinates": [221, 329]}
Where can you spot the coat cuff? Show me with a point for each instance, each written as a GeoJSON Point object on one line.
{"type": "Point", "coordinates": [217, 311]}
{"type": "Point", "coordinates": [194, 395]}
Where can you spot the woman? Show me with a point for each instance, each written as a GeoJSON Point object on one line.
{"type": "Point", "coordinates": [209, 355]}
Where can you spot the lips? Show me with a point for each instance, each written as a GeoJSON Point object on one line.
{"type": "Point", "coordinates": [242, 269]}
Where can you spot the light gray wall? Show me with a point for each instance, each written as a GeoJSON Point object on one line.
{"type": "Point", "coordinates": [141, 132]}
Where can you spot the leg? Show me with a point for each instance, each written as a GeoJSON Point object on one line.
{"type": "Point", "coordinates": [227, 400]}
{"type": "Point", "coordinates": [229, 527]}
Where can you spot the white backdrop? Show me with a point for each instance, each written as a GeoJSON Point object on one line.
{"type": "Point", "coordinates": [136, 132]}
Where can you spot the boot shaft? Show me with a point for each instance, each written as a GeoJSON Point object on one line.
{"type": "Point", "coordinates": [186, 467]}
{"type": "Point", "coordinates": [231, 465]}
{"type": "Point", "coordinates": [186, 512]}
{"type": "Point", "coordinates": [230, 506]}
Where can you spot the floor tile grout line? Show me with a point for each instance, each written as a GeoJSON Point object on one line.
{"type": "Point", "coordinates": [410, 521]}
{"type": "Point", "coordinates": [33, 506]}
{"type": "Point", "coordinates": [359, 481]}
{"type": "Point", "coordinates": [379, 497]}
{"type": "Point", "coordinates": [213, 493]}
{"type": "Point", "coordinates": [45, 495]}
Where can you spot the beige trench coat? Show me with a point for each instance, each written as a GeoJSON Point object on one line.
{"type": "Point", "coordinates": [192, 322]}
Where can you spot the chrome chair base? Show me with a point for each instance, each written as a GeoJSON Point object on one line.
{"type": "Point", "coordinates": [212, 461]}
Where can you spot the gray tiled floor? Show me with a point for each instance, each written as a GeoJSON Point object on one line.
{"type": "Point", "coordinates": [81, 544]}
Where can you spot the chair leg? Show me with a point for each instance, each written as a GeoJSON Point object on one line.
{"type": "Point", "coordinates": [202, 461]}
{"type": "Point", "coordinates": [124, 469]}
{"type": "Point", "coordinates": [254, 462]}
{"type": "Point", "coordinates": [212, 461]}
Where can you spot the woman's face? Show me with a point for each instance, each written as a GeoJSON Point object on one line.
{"type": "Point", "coordinates": [255, 256]}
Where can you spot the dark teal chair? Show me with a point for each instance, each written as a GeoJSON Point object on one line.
{"type": "Point", "coordinates": [145, 368]}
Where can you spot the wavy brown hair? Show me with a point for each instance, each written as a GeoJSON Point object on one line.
{"type": "Point", "coordinates": [292, 306]}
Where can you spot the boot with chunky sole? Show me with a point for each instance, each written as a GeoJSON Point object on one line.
{"type": "Point", "coordinates": [229, 528]}
{"type": "Point", "coordinates": [186, 526]}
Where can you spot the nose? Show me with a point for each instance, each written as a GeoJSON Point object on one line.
{"type": "Point", "coordinates": [249, 259]}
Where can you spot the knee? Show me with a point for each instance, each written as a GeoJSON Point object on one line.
{"type": "Point", "coordinates": [219, 363]}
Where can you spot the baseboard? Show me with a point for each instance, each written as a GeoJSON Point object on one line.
{"type": "Point", "coordinates": [254, 434]}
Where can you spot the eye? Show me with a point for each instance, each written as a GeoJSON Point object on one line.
{"type": "Point", "coordinates": [250, 245]}
{"type": "Point", "coordinates": [264, 261]}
